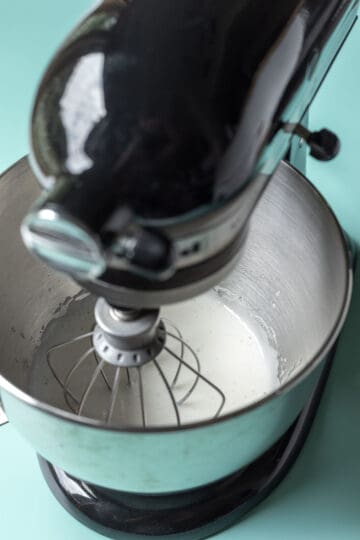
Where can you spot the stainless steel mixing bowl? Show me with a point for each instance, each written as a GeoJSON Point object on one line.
{"type": "Point", "coordinates": [295, 246]}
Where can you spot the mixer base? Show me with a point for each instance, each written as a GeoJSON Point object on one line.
{"type": "Point", "coordinates": [195, 514]}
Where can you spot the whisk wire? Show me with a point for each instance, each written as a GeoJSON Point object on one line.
{"type": "Point", "coordinates": [168, 387]}
{"type": "Point", "coordinates": [53, 371]}
{"type": "Point", "coordinates": [141, 390]}
{"type": "Point", "coordinates": [114, 394]}
{"type": "Point", "coordinates": [106, 380]}
{"type": "Point", "coordinates": [90, 386]}
{"type": "Point", "coordinates": [74, 369]}
{"type": "Point", "coordinates": [182, 400]}
{"type": "Point", "coordinates": [202, 377]}
{"type": "Point", "coordinates": [178, 370]}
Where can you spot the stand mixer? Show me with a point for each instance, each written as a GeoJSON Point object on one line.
{"type": "Point", "coordinates": [158, 135]}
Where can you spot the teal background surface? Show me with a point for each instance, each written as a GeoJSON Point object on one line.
{"type": "Point", "coordinates": [320, 499]}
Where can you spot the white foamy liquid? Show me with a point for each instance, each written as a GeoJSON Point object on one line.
{"type": "Point", "coordinates": [232, 356]}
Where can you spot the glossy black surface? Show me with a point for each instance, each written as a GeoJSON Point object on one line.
{"type": "Point", "coordinates": [196, 514]}
{"type": "Point", "coordinates": [325, 145]}
{"type": "Point", "coordinates": [164, 106]}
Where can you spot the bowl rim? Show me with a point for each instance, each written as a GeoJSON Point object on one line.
{"type": "Point", "coordinates": [310, 366]}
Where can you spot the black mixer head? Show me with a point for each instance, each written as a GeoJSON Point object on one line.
{"type": "Point", "coordinates": [154, 132]}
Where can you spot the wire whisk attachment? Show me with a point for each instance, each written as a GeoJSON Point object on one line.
{"type": "Point", "coordinates": [131, 369]}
